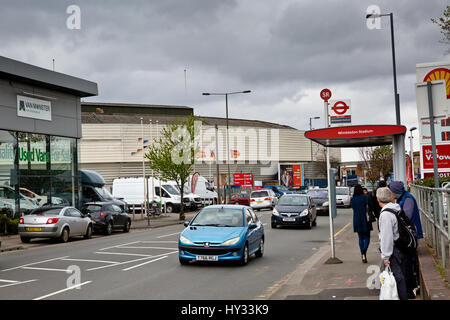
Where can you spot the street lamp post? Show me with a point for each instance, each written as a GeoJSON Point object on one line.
{"type": "Point", "coordinates": [411, 153]}
{"type": "Point", "coordinates": [312, 159]}
{"type": "Point", "coordinates": [399, 141]}
{"type": "Point", "coordinates": [228, 137]}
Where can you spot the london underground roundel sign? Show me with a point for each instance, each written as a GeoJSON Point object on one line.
{"type": "Point", "coordinates": [340, 107]}
{"type": "Point", "coordinates": [325, 94]}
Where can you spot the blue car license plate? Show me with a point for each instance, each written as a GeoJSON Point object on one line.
{"type": "Point", "coordinates": [207, 258]}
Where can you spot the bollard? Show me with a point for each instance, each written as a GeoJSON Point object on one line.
{"type": "Point", "coordinates": [134, 212]}
{"type": "Point", "coordinates": [142, 211]}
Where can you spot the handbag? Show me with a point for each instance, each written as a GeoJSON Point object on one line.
{"type": "Point", "coordinates": [370, 217]}
{"type": "Point", "coordinates": [388, 290]}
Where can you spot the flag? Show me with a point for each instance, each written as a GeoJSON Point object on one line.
{"type": "Point", "coordinates": [133, 153]}
{"type": "Point", "coordinates": [145, 141]}
{"type": "Point", "coordinates": [139, 149]}
{"type": "Point", "coordinates": [139, 139]}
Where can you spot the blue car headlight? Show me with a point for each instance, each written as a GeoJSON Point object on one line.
{"type": "Point", "coordinates": [185, 240]}
{"type": "Point", "coordinates": [231, 241]}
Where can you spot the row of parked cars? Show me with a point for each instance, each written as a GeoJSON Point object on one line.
{"type": "Point", "coordinates": [64, 222]}
{"type": "Point", "coordinates": [267, 198]}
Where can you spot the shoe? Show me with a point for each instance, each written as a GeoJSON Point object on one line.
{"type": "Point", "coordinates": [364, 258]}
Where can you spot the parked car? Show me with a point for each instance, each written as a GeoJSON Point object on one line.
{"type": "Point", "coordinates": [320, 199]}
{"type": "Point", "coordinates": [8, 200]}
{"type": "Point", "coordinates": [263, 198]}
{"type": "Point", "coordinates": [107, 216]}
{"type": "Point", "coordinates": [54, 222]}
{"type": "Point", "coordinates": [343, 196]}
{"type": "Point", "coordinates": [222, 233]}
{"type": "Point", "coordinates": [42, 200]}
{"type": "Point", "coordinates": [242, 198]}
{"type": "Point", "coordinates": [294, 210]}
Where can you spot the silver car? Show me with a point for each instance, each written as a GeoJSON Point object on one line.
{"type": "Point", "coordinates": [55, 222]}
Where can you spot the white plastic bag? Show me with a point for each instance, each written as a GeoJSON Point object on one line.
{"type": "Point", "coordinates": [388, 289]}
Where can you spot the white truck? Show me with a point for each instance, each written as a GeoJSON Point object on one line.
{"type": "Point", "coordinates": [131, 190]}
{"type": "Point", "coordinates": [204, 189]}
{"type": "Point", "coordinates": [195, 200]}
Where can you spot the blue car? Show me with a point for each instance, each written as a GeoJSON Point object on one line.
{"type": "Point", "coordinates": [222, 233]}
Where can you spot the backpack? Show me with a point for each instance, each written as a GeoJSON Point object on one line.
{"type": "Point", "coordinates": [407, 240]}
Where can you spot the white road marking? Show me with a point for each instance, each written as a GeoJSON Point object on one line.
{"type": "Point", "coordinates": [9, 281]}
{"type": "Point", "coordinates": [44, 269]}
{"type": "Point", "coordinates": [30, 264]}
{"type": "Point", "coordinates": [86, 260]}
{"type": "Point", "coordinates": [144, 263]}
{"type": "Point", "coordinates": [131, 261]}
{"type": "Point", "coordinates": [159, 241]}
{"type": "Point", "coordinates": [119, 245]}
{"type": "Point", "coordinates": [17, 283]}
{"type": "Point", "coordinates": [63, 290]}
{"type": "Point", "coordinates": [126, 254]}
{"type": "Point", "coordinates": [168, 235]}
{"type": "Point", "coordinates": [161, 248]}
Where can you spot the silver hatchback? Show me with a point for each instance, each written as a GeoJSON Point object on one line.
{"type": "Point", "coordinates": [55, 222]}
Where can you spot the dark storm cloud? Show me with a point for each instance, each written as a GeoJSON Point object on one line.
{"type": "Point", "coordinates": [285, 51]}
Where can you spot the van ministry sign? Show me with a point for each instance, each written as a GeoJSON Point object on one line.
{"type": "Point", "coordinates": [34, 108]}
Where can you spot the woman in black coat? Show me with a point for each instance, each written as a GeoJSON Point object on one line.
{"type": "Point", "coordinates": [361, 225]}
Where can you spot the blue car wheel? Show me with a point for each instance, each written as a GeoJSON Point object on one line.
{"type": "Point", "coordinates": [245, 256]}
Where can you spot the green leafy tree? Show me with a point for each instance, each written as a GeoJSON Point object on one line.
{"type": "Point", "coordinates": [171, 156]}
{"type": "Point", "coordinates": [444, 24]}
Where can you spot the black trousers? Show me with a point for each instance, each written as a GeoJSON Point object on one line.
{"type": "Point", "coordinates": [399, 267]}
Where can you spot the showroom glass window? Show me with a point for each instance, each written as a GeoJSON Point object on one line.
{"type": "Point", "coordinates": [8, 203]}
{"type": "Point", "coordinates": [64, 169]}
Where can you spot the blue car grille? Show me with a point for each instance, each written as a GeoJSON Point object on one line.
{"type": "Point", "coordinates": [215, 251]}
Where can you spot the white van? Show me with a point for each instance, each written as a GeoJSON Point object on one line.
{"type": "Point", "coordinates": [204, 189]}
{"type": "Point", "coordinates": [131, 190]}
{"type": "Point", "coordinates": [195, 201]}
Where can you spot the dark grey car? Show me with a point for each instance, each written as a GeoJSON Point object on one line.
{"type": "Point", "coordinates": [294, 210]}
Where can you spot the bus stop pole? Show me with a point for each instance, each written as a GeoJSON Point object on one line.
{"type": "Point", "coordinates": [331, 200]}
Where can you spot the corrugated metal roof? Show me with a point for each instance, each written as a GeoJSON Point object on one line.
{"type": "Point", "coordinates": [91, 117]}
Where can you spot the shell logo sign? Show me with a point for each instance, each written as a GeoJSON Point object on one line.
{"type": "Point", "coordinates": [440, 74]}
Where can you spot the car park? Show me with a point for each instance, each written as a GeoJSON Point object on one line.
{"type": "Point", "coordinates": [294, 210]}
{"type": "Point", "coordinates": [54, 222]}
{"type": "Point", "coordinates": [222, 233]}
{"type": "Point", "coordinates": [320, 199]}
{"type": "Point", "coordinates": [106, 217]}
{"type": "Point", "coordinates": [263, 199]}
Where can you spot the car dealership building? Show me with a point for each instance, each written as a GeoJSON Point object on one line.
{"type": "Point", "coordinates": [40, 131]}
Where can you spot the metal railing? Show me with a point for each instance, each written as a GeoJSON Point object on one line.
{"type": "Point", "coordinates": [434, 212]}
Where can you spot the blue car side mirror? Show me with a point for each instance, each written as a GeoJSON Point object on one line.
{"type": "Point", "coordinates": [186, 223]}
{"type": "Point", "coordinates": [252, 225]}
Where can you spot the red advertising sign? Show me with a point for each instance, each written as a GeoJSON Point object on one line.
{"type": "Point", "coordinates": [297, 174]}
{"type": "Point", "coordinates": [445, 174]}
{"type": "Point", "coordinates": [243, 179]}
{"type": "Point", "coordinates": [442, 153]}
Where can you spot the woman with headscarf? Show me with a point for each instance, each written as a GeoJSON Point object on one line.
{"type": "Point", "coordinates": [361, 224]}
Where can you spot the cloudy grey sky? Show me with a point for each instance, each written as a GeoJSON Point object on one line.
{"type": "Point", "coordinates": [285, 51]}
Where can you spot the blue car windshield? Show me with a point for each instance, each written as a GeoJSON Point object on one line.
{"type": "Point", "coordinates": [219, 217]}
{"type": "Point", "coordinates": [293, 201]}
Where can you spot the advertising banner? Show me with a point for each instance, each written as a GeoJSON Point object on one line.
{"type": "Point", "coordinates": [443, 156]}
{"type": "Point", "coordinates": [34, 108]}
{"type": "Point", "coordinates": [291, 175]}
